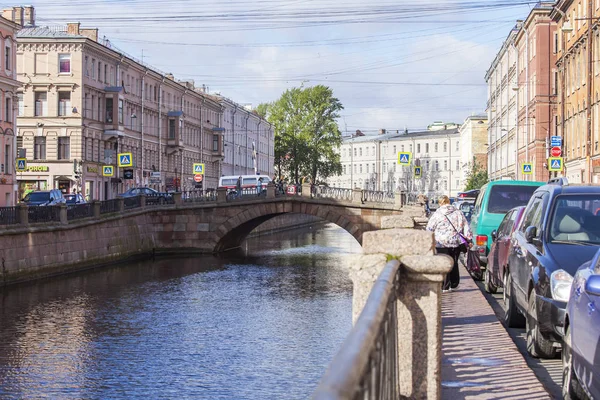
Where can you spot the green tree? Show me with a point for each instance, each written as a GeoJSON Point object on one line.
{"type": "Point", "coordinates": [306, 132]}
{"type": "Point", "coordinates": [477, 177]}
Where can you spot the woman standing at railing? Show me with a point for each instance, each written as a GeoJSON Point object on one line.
{"type": "Point", "coordinates": [452, 236]}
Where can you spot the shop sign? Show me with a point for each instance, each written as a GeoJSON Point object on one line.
{"type": "Point", "coordinates": [37, 168]}
{"type": "Point", "coordinates": [92, 169]}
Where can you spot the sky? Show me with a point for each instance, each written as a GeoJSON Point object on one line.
{"type": "Point", "coordinates": [393, 64]}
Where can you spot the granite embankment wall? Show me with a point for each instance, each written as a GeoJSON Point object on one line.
{"type": "Point", "coordinates": [285, 222]}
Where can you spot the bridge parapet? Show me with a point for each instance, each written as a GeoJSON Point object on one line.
{"type": "Point", "coordinates": [394, 349]}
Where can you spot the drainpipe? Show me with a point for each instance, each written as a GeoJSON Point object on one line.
{"type": "Point", "coordinates": [256, 167]}
{"type": "Point", "coordinates": [527, 96]}
{"type": "Point", "coordinates": [142, 122]}
{"type": "Point", "coordinates": [590, 81]}
{"type": "Point", "coordinates": [247, 117]}
{"type": "Point", "coordinates": [202, 130]}
{"type": "Point", "coordinates": [159, 132]}
{"type": "Point", "coordinates": [233, 132]}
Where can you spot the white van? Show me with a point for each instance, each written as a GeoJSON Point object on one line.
{"type": "Point", "coordinates": [248, 181]}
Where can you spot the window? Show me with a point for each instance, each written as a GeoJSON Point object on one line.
{"type": "Point", "coordinates": [355, 152]}
{"type": "Point", "coordinates": [86, 66]}
{"type": "Point", "coordinates": [64, 148]}
{"type": "Point", "coordinates": [457, 145]}
{"type": "Point", "coordinates": [64, 63]}
{"type": "Point", "coordinates": [367, 166]}
{"type": "Point", "coordinates": [445, 147]}
{"type": "Point", "coordinates": [503, 198]}
{"type": "Point", "coordinates": [64, 103]}
{"type": "Point", "coordinates": [41, 104]}
{"type": "Point", "coordinates": [435, 147]}
{"type": "Point", "coordinates": [93, 69]}
{"type": "Point", "coordinates": [437, 165]}
{"type": "Point", "coordinates": [457, 165]}
{"type": "Point", "coordinates": [360, 151]}
{"type": "Point", "coordinates": [109, 110]}
{"type": "Point", "coordinates": [21, 105]}
{"type": "Point", "coordinates": [445, 165]}
{"type": "Point", "coordinates": [360, 168]}
{"type": "Point", "coordinates": [7, 161]}
{"type": "Point", "coordinates": [99, 71]}
{"type": "Point", "coordinates": [7, 54]}
{"type": "Point", "coordinates": [418, 147]}
{"type": "Point", "coordinates": [8, 117]}
{"type": "Point", "coordinates": [39, 148]}
{"type": "Point", "coordinates": [373, 167]}
{"type": "Point", "coordinates": [394, 149]}
{"type": "Point", "coordinates": [555, 50]}
{"type": "Point", "coordinates": [426, 147]}
{"type": "Point", "coordinates": [171, 129]}
{"type": "Point", "coordinates": [120, 111]}
{"type": "Point", "coordinates": [402, 147]}
{"type": "Point", "coordinates": [105, 73]}
{"type": "Point", "coordinates": [344, 170]}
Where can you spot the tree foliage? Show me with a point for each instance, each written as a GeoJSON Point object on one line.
{"type": "Point", "coordinates": [306, 133]}
{"type": "Point", "coordinates": [477, 177]}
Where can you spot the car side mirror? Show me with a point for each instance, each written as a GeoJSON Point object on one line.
{"type": "Point", "coordinates": [530, 234]}
{"type": "Point", "coordinates": [494, 235]}
{"type": "Point", "coordinates": [592, 286]}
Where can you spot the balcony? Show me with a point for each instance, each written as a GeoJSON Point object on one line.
{"type": "Point", "coordinates": [174, 129]}
{"type": "Point", "coordinates": [218, 150]}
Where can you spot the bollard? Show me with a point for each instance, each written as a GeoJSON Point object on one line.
{"type": "Point", "coordinates": [221, 195]}
{"type": "Point", "coordinates": [62, 210]}
{"type": "Point", "coordinates": [177, 198]}
{"type": "Point", "coordinates": [96, 208]}
{"type": "Point", "coordinates": [120, 204]}
{"type": "Point", "coordinates": [270, 191]}
{"type": "Point", "coordinates": [142, 200]}
{"type": "Point", "coordinates": [23, 214]}
{"type": "Point", "coordinates": [357, 196]}
{"type": "Point", "coordinates": [306, 190]}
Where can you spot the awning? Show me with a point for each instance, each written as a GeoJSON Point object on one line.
{"type": "Point", "coordinates": [63, 178]}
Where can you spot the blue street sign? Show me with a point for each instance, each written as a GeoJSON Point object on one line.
{"type": "Point", "coordinates": [556, 141]}
{"type": "Point", "coordinates": [404, 158]}
{"type": "Point", "coordinates": [198, 169]}
{"type": "Point", "coordinates": [125, 160]}
{"type": "Point", "coordinates": [527, 168]}
{"type": "Point", "coordinates": [555, 164]}
{"type": "Point", "coordinates": [108, 170]}
{"type": "Point", "coordinates": [21, 164]}
{"type": "Point", "coordinates": [417, 172]}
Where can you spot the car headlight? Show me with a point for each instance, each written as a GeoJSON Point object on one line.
{"type": "Point", "coordinates": [560, 285]}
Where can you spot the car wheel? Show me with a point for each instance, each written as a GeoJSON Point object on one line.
{"type": "Point", "coordinates": [571, 389]}
{"type": "Point", "coordinates": [488, 284]}
{"type": "Point", "coordinates": [512, 317]}
{"type": "Point", "coordinates": [537, 345]}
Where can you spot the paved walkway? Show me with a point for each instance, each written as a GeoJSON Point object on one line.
{"type": "Point", "coordinates": [479, 359]}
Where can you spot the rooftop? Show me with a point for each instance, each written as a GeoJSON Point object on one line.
{"type": "Point", "coordinates": [393, 136]}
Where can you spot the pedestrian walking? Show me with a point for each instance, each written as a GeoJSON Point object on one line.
{"type": "Point", "coordinates": [238, 187]}
{"type": "Point", "coordinates": [452, 236]}
{"type": "Point", "coordinates": [259, 186]}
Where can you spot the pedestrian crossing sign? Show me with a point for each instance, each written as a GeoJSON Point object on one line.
{"type": "Point", "coordinates": [555, 164]}
{"type": "Point", "coordinates": [21, 164]}
{"type": "Point", "coordinates": [404, 158]}
{"type": "Point", "coordinates": [108, 170]}
{"type": "Point", "coordinates": [527, 168]}
{"type": "Point", "coordinates": [198, 169]}
{"type": "Point", "coordinates": [417, 172]}
{"type": "Point", "coordinates": [125, 160]}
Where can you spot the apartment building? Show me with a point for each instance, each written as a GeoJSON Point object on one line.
{"type": "Point", "coordinates": [536, 42]}
{"type": "Point", "coordinates": [8, 94]}
{"type": "Point", "coordinates": [501, 79]}
{"type": "Point", "coordinates": [578, 63]}
{"type": "Point", "coordinates": [83, 102]}
{"type": "Point", "coordinates": [371, 162]}
{"type": "Point", "coordinates": [473, 136]}
{"type": "Point", "coordinates": [249, 141]}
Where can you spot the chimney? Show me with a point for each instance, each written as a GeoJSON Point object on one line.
{"type": "Point", "coordinates": [14, 14]}
{"type": "Point", "coordinates": [9, 14]}
{"type": "Point", "coordinates": [90, 33]}
{"type": "Point", "coordinates": [382, 131]}
{"type": "Point", "coordinates": [73, 28]}
{"type": "Point", "coordinates": [29, 16]}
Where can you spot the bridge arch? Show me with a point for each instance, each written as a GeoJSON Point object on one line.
{"type": "Point", "coordinates": [237, 227]}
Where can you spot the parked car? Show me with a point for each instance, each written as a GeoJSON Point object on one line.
{"type": "Point", "coordinates": [500, 249]}
{"type": "Point", "coordinates": [466, 207]}
{"type": "Point", "coordinates": [44, 198]}
{"type": "Point", "coordinates": [495, 199]}
{"type": "Point", "coordinates": [153, 196]}
{"type": "Point", "coordinates": [581, 353]}
{"type": "Point", "coordinates": [559, 231]}
{"type": "Point", "coordinates": [75, 198]}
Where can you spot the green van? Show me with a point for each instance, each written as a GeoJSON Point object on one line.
{"type": "Point", "coordinates": [493, 202]}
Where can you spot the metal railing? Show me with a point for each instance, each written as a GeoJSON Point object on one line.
{"type": "Point", "coordinates": [9, 215]}
{"type": "Point", "coordinates": [43, 214]}
{"type": "Point", "coordinates": [247, 194]}
{"type": "Point", "coordinates": [80, 211]}
{"type": "Point", "coordinates": [326, 192]}
{"type": "Point", "coordinates": [109, 206]}
{"type": "Point", "coordinates": [159, 198]}
{"type": "Point", "coordinates": [369, 196]}
{"type": "Point", "coordinates": [132, 202]}
{"type": "Point", "coordinates": [366, 366]}
{"type": "Point", "coordinates": [199, 196]}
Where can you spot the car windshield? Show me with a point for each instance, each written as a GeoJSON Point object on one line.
{"type": "Point", "coordinates": [71, 198]}
{"type": "Point", "coordinates": [38, 196]}
{"type": "Point", "coordinates": [576, 218]}
{"type": "Point", "coordinates": [506, 197]}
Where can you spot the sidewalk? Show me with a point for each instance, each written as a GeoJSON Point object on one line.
{"type": "Point", "coordinates": [479, 359]}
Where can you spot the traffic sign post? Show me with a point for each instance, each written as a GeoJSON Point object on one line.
{"type": "Point", "coordinates": [527, 168]}
{"type": "Point", "coordinates": [125, 160]}
{"type": "Point", "coordinates": [21, 164]}
{"type": "Point", "coordinates": [108, 170]}
{"type": "Point", "coordinates": [404, 158]}
{"type": "Point", "coordinates": [198, 169]}
{"type": "Point", "coordinates": [555, 164]}
{"type": "Point", "coordinates": [198, 178]}
{"type": "Point", "coordinates": [556, 141]}
{"type": "Point", "coordinates": [555, 151]}
{"type": "Point", "coordinates": [417, 172]}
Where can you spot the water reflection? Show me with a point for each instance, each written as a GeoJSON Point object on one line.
{"type": "Point", "coordinates": [260, 323]}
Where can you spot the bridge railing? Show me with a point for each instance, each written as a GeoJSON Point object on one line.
{"type": "Point", "coordinates": [9, 215]}
{"type": "Point", "coordinates": [80, 211]}
{"type": "Point", "coordinates": [327, 192]}
{"type": "Point", "coordinates": [199, 196]}
{"type": "Point", "coordinates": [370, 196]}
{"type": "Point", "coordinates": [394, 348]}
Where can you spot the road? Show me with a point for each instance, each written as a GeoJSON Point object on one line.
{"type": "Point", "coordinates": [549, 372]}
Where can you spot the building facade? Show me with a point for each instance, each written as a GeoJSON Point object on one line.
{"type": "Point", "coordinates": [249, 141]}
{"type": "Point", "coordinates": [536, 102]}
{"type": "Point", "coordinates": [501, 79]}
{"type": "Point", "coordinates": [83, 102]}
{"type": "Point", "coordinates": [578, 63]}
{"type": "Point", "coordinates": [371, 163]}
{"type": "Point", "coordinates": [473, 146]}
{"type": "Point", "coordinates": [8, 95]}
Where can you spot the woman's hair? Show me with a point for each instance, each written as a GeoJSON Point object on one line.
{"type": "Point", "coordinates": [443, 200]}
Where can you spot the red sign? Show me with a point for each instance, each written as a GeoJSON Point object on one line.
{"type": "Point", "coordinates": [198, 178]}
{"type": "Point", "coordinates": [555, 152]}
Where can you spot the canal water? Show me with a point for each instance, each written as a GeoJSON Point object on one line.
{"type": "Point", "coordinates": [262, 323]}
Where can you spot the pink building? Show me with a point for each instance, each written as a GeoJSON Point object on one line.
{"type": "Point", "coordinates": [8, 93]}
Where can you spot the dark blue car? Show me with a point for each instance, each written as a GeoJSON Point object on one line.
{"type": "Point", "coordinates": [559, 231]}
{"type": "Point", "coordinates": [581, 350]}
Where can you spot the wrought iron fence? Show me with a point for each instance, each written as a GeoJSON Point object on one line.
{"type": "Point", "coordinates": [109, 206]}
{"type": "Point", "coordinates": [132, 202]}
{"type": "Point", "coordinates": [43, 214]}
{"type": "Point", "coordinates": [366, 367]}
{"type": "Point", "coordinates": [80, 211]}
{"type": "Point", "coordinates": [199, 196]}
{"type": "Point", "coordinates": [9, 215]}
{"type": "Point", "coordinates": [326, 192]}
{"type": "Point", "coordinates": [159, 198]}
{"type": "Point", "coordinates": [247, 194]}
{"type": "Point", "coordinates": [369, 196]}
